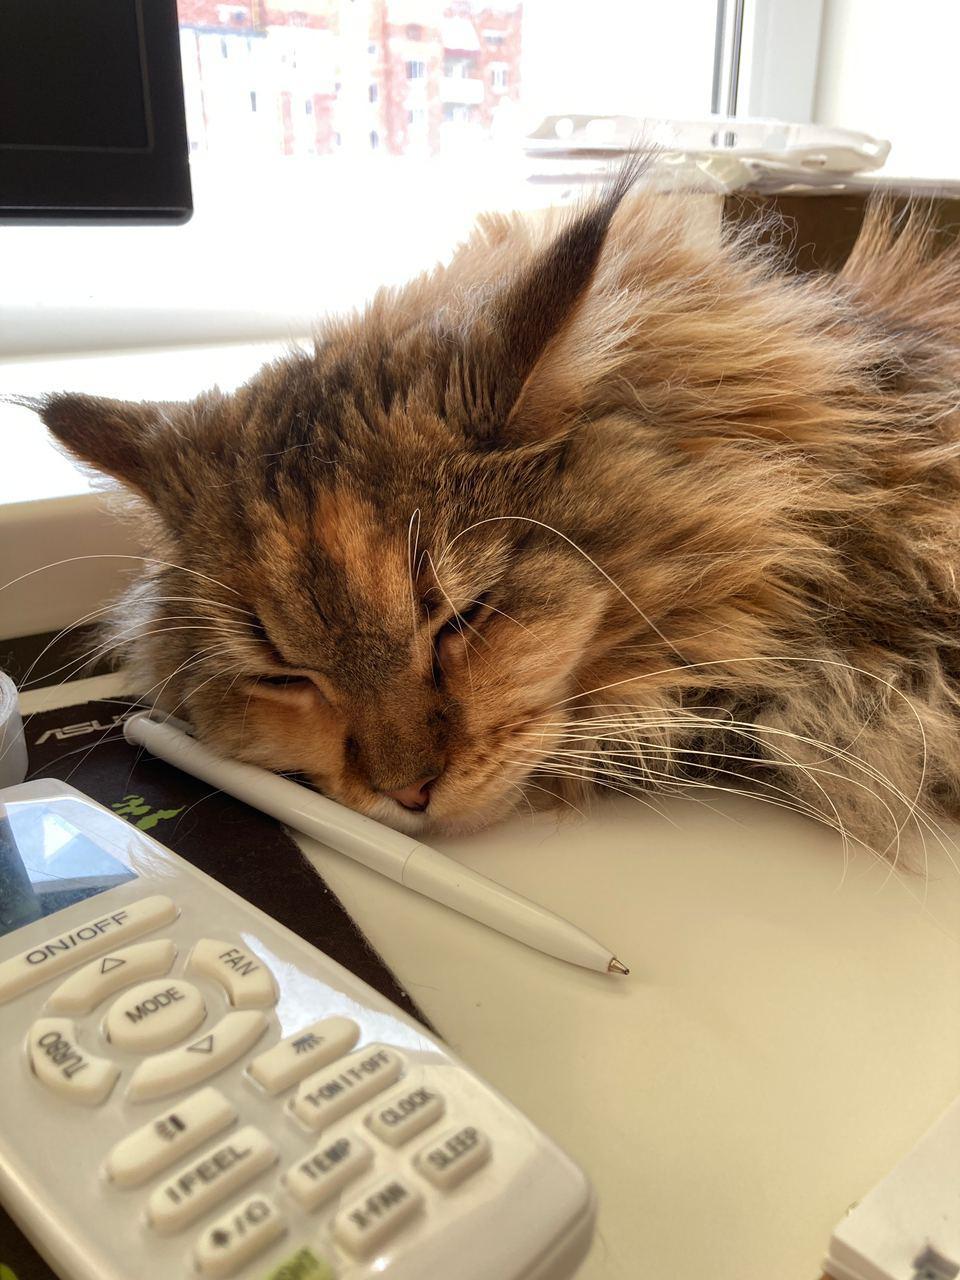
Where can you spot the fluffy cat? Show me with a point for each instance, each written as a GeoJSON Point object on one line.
{"type": "Point", "coordinates": [611, 504]}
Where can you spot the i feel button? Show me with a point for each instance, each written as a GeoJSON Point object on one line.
{"type": "Point", "coordinates": [154, 1014]}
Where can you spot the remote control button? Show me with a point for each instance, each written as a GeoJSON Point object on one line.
{"type": "Point", "coordinates": [200, 1185]}
{"type": "Point", "coordinates": [248, 982]}
{"type": "Point", "coordinates": [181, 1068]}
{"type": "Point", "coordinates": [154, 1015]}
{"type": "Point", "coordinates": [403, 1115]}
{"type": "Point", "coordinates": [326, 1169]}
{"type": "Point", "coordinates": [93, 937]}
{"type": "Point", "coordinates": [312, 1047]}
{"type": "Point", "coordinates": [238, 1236]}
{"type": "Point", "coordinates": [302, 1265]}
{"type": "Point", "coordinates": [60, 1063]}
{"type": "Point", "coordinates": [328, 1095]}
{"type": "Point", "coordinates": [378, 1214]}
{"type": "Point", "coordinates": [453, 1157]}
{"type": "Point", "coordinates": [168, 1137]}
{"type": "Point", "coordinates": [101, 978]}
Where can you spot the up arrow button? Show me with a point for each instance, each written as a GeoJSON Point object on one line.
{"type": "Point", "coordinates": [85, 989]}
{"type": "Point", "coordinates": [179, 1068]}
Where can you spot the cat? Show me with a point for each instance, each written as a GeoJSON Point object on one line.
{"type": "Point", "coordinates": [610, 504]}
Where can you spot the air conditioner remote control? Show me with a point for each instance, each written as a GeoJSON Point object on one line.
{"type": "Point", "coordinates": [189, 1089]}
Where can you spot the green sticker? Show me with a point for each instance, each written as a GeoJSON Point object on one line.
{"type": "Point", "coordinates": [302, 1265]}
{"type": "Point", "coordinates": [6, 1273]}
{"type": "Point", "coordinates": [147, 818]}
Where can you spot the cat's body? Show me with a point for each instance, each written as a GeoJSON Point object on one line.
{"type": "Point", "coordinates": [618, 505]}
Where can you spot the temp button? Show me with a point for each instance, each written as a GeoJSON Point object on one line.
{"type": "Point", "coordinates": [154, 1015]}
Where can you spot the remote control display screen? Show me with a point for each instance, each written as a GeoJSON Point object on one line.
{"type": "Point", "coordinates": [46, 864]}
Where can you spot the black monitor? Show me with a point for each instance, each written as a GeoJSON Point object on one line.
{"type": "Point", "coordinates": [92, 124]}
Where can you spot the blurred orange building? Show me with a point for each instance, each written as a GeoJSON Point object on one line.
{"type": "Point", "coordinates": [312, 77]}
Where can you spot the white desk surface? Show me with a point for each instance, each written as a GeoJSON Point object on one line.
{"type": "Point", "coordinates": [787, 1031]}
{"type": "Point", "coordinates": [785, 1034]}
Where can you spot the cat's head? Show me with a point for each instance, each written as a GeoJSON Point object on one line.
{"type": "Point", "coordinates": [374, 563]}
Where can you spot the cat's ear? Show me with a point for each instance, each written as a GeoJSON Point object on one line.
{"type": "Point", "coordinates": [135, 443]}
{"type": "Point", "coordinates": [519, 327]}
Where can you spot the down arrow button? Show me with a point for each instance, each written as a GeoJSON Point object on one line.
{"type": "Point", "coordinates": [176, 1069]}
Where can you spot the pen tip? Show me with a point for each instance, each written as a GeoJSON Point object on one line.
{"type": "Point", "coordinates": [617, 966]}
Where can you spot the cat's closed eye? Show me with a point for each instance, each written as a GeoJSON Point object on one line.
{"type": "Point", "coordinates": [294, 689]}
{"type": "Point", "coordinates": [454, 632]}
{"type": "Point", "coordinates": [283, 682]}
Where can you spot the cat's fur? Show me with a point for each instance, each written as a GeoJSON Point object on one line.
{"type": "Point", "coordinates": [613, 504]}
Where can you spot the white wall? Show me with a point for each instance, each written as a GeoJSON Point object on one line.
{"type": "Point", "coordinates": [608, 57]}
{"type": "Point", "coordinates": [890, 69]}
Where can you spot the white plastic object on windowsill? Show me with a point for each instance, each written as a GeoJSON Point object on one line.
{"type": "Point", "coordinates": [907, 1227]}
{"type": "Point", "coordinates": [718, 154]}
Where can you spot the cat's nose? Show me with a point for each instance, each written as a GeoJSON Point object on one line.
{"type": "Point", "coordinates": [416, 796]}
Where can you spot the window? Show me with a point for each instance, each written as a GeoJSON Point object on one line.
{"type": "Point", "coordinates": [260, 155]}
{"type": "Point", "coordinates": [460, 66]}
{"type": "Point", "coordinates": [321, 179]}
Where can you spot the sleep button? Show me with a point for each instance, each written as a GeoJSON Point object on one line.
{"type": "Point", "coordinates": [154, 1014]}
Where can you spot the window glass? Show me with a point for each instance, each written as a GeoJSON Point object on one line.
{"type": "Point", "coordinates": [336, 145]}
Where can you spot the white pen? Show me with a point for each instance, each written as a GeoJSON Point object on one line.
{"type": "Point", "coordinates": [414, 865]}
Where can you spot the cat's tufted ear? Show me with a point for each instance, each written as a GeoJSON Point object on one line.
{"type": "Point", "coordinates": [518, 327]}
{"type": "Point", "coordinates": [135, 443]}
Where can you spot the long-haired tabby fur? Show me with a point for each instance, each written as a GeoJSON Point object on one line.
{"type": "Point", "coordinates": [607, 505]}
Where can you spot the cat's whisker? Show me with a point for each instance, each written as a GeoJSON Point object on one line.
{"type": "Point", "coordinates": [644, 772]}
{"type": "Point", "coordinates": [461, 622]}
{"type": "Point", "coordinates": [221, 674]}
{"type": "Point", "coordinates": [602, 726]}
{"type": "Point", "coordinates": [458, 622]}
{"type": "Point", "coordinates": [554, 795]}
{"type": "Point", "coordinates": [784, 658]}
{"type": "Point", "coordinates": [113, 555]}
{"type": "Point", "coordinates": [412, 544]}
{"type": "Point", "coordinates": [199, 656]}
{"type": "Point", "coordinates": [598, 782]}
{"type": "Point", "coordinates": [74, 751]}
{"type": "Point", "coordinates": [103, 647]}
{"type": "Point", "coordinates": [580, 551]}
{"type": "Point", "coordinates": [192, 660]}
{"type": "Point", "coordinates": [517, 623]}
{"type": "Point", "coordinates": [646, 748]}
{"type": "Point", "coordinates": [100, 651]}
{"type": "Point", "coordinates": [791, 803]}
